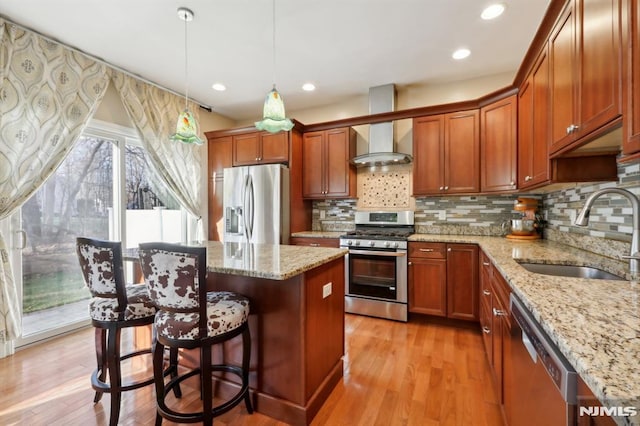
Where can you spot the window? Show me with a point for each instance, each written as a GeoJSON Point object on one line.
{"type": "Point", "coordinates": [104, 189]}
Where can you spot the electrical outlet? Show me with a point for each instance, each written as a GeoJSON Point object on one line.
{"type": "Point", "coordinates": [572, 216]}
{"type": "Point", "coordinates": [322, 214]}
{"type": "Point", "coordinates": [442, 215]}
{"type": "Point", "coordinates": [326, 290]}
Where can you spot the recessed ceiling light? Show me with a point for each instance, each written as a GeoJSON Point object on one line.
{"type": "Point", "coordinates": [308, 87]}
{"type": "Point", "coordinates": [493, 11]}
{"type": "Point", "coordinates": [461, 53]}
{"type": "Point", "coordinates": [219, 87]}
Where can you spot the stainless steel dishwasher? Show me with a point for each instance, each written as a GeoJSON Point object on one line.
{"type": "Point", "coordinates": [539, 383]}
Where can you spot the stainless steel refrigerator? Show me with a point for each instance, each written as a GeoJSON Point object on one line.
{"type": "Point", "coordinates": [256, 204]}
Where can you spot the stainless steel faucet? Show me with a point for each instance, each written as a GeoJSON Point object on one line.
{"type": "Point", "coordinates": [583, 220]}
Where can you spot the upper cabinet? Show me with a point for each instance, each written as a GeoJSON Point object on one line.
{"type": "Point", "coordinates": [446, 153]}
{"type": "Point", "coordinates": [499, 145]}
{"type": "Point", "coordinates": [260, 148]}
{"type": "Point", "coordinates": [533, 125]}
{"type": "Point", "coordinates": [585, 72]}
{"type": "Point", "coordinates": [326, 170]}
{"type": "Point", "coordinates": [631, 88]}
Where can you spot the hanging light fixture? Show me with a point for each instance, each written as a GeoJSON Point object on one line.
{"type": "Point", "coordinates": [187, 126]}
{"type": "Point", "coordinates": [273, 116]}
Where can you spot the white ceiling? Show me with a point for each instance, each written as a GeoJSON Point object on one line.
{"type": "Point", "coordinates": [342, 46]}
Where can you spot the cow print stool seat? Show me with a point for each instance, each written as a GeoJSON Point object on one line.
{"type": "Point", "coordinates": [190, 317]}
{"type": "Point", "coordinates": [114, 305]}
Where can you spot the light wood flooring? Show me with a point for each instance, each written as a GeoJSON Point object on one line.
{"type": "Point", "coordinates": [417, 373]}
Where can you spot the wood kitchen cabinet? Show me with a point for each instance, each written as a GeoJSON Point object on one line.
{"type": "Point", "coordinates": [326, 170]}
{"type": "Point", "coordinates": [443, 280]}
{"type": "Point", "coordinates": [315, 241]}
{"type": "Point", "coordinates": [585, 72]}
{"type": "Point", "coordinates": [587, 399]}
{"type": "Point", "coordinates": [533, 125]}
{"type": "Point", "coordinates": [631, 87]}
{"type": "Point", "coordinates": [260, 148]}
{"type": "Point", "coordinates": [499, 145]}
{"type": "Point", "coordinates": [219, 157]}
{"type": "Point", "coordinates": [446, 153]}
{"type": "Point", "coordinates": [494, 320]}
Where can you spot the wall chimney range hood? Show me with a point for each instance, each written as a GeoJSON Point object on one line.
{"type": "Point", "coordinates": [381, 143]}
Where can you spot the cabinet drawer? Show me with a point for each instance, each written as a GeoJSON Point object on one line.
{"type": "Point", "coordinates": [314, 242]}
{"type": "Point", "coordinates": [428, 250]}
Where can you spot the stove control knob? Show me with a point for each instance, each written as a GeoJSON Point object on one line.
{"type": "Point", "coordinates": [387, 243]}
{"type": "Point", "coordinates": [357, 243]}
{"type": "Point", "coordinates": [371, 243]}
{"type": "Point", "coordinates": [396, 245]}
{"type": "Point", "coordinates": [350, 242]}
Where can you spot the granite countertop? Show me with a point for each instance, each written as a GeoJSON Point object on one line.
{"type": "Point", "coordinates": [270, 261]}
{"type": "Point", "coordinates": [318, 234]}
{"type": "Point", "coordinates": [594, 323]}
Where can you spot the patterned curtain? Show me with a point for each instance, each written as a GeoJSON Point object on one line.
{"type": "Point", "coordinates": [154, 112]}
{"type": "Point", "coordinates": [48, 93]}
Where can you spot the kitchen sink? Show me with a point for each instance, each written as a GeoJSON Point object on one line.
{"type": "Point", "coordinates": [570, 271]}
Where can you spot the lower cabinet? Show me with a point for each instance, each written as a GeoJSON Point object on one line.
{"type": "Point", "coordinates": [314, 241]}
{"type": "Point", "coordinates": [443, 280]}
{"type": "Point", "coordinates": [494, 320]}
{"type": "Point", "coordinates": [589, 411]}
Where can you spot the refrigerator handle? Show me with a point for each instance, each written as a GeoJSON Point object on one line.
{"type": "Point", "coordinates": [251, 214]}
{"type": "Point", "coordinates": [245, 207]}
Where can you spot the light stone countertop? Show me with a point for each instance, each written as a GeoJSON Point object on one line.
{"type": "Point", "coordinates": [275, 262]}
{"type": "Point", "coordinates": [318, 234]}
{"type": "Point", "coordinates": [594, 323]}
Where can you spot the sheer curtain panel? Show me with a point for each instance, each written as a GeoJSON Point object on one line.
{"type": "Point", "coordinates": [48, 93]}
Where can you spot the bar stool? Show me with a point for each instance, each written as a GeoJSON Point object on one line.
{"type": "Point", "coordinates": [114, 305]}
{"type": "Point", "coordinates": [190, 317]}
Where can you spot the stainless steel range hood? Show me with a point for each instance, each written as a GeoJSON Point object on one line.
{"type": "Point", "coordinates": [381, 142]}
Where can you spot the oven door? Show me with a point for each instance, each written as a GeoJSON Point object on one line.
{"type": "Point", "coordinates": [377, 274]}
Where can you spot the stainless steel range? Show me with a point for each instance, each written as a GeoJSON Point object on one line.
{"type": "Point", "coordinates": [376, 266]}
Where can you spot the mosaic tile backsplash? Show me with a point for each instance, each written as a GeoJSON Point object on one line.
{"type": "Point", "coordinates": [608, 232]}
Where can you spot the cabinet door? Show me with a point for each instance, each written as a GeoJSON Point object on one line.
{"type": "Point", "coordinates": [486, 304]}
{"type": "Point", "coordinates": [462, 152]}
{"type": "Point", "coordinates": [599, 63]}
{"type": "Point", "coordinates": [312, 165]}
{"type": "Point", "coordinates": [274, 148]}
{"type": "Point", "coordinates": [631, 87]}
{"type": "Point", "coordinates": [462, 281]}
{"type": "Point", "coordinates": [337, 166]}
{"type": "Point", "coordinates": [533, 140]}
{"type": "Point", "coordinates": [563, 80]}
{"type": "Point", "coordinates": [499, 145]}
{"type": "Point", "coordinates": [219, 157]}
{"type": "Point", "coordinates": [428, 286]}
{"type": "Point", "coordinates": [428, 155]}
{"type": "Point", "coordinates": [246, 149]}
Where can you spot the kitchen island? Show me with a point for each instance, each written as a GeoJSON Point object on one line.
{"type": "Point", "coordinates": [296, 322]}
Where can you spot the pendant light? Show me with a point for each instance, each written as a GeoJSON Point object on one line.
{"type": "Point", "coordinates": [273, 116]}
{"type": "Point", "coordinates": [187, 126]}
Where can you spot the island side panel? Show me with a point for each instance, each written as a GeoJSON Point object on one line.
{"type": "Point", "coordinates": [276, 329]}
{"type": "Point", "coordinates": [324, 330]}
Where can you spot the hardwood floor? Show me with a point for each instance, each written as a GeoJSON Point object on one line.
{"type": "Point", "coordinates": [417, 373]}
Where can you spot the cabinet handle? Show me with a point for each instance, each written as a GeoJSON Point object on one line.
{"type": "Point", "coordinates": [512, 183]}
{"type": "Point", "coordinates": [572, 129]}
{"type": "Point", "coordinates": [449, 249]}
{"type": "Point", "coordinates": [446, 188]}
{"type": "Point", "coordinates": [527, 178]}
{"type": "Point", "coordinates": [314, 245]}
{"type": "Point", "coordinates": [409, 263]}
{"type": "Point", "coordinates": [486, 263]}
{"type": "Point", "coordinates": [442, 188]}
{"type": "Point", "coordinates": [426, 250]}
{"type": "Point", "coordinates": [486, 329]}
{"type": "Point", "coordinates": [486, 292]}
{"type": "Point", "coordinates": [498, 312]}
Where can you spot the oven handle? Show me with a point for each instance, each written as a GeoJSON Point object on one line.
{"type": "Point", "coordinates": [380, 253]}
